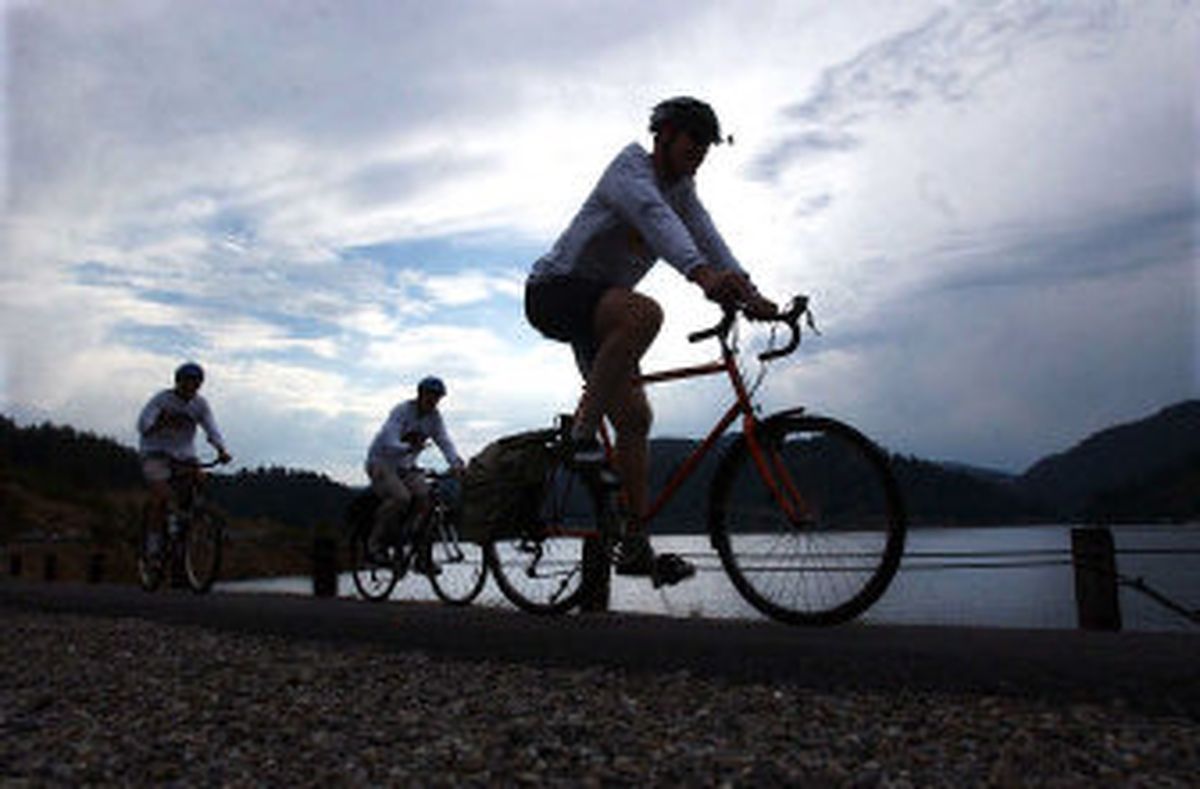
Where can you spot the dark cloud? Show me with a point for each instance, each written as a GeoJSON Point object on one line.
{"type": "Point", "coordinates": [1093, 247]}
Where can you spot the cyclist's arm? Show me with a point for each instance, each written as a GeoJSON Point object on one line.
{"type": "Point", "coordinates": [389, 445]}
{"type": "Point", "coordinates": [390, 435]}
{"type": "Point", "coordinates": [732, 287]}
{"type": "Point", "coordinates": [212, 432]}
{"type": "Point", "coordinates": [148, 418]}
{"type": "Point", "coordinates": [155, 416]}
{"type": "Point", "coordinates": [628, 188]}
{"type": "Point", "coordinates": [702, 229]}
{"type": "Point", "coordinates": [442, 439]}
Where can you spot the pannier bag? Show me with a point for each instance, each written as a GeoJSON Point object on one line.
{"type": "Point", "coordinates": [503, 483]}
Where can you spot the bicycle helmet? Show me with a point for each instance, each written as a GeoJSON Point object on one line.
{"type": "Point", "coordinates": [431, 383]}
{"type": "Point", "coordinates": [189, 370]}
{"type": "Point", "coordinates": [691, 115]}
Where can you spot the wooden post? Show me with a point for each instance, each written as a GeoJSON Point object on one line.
{"type": "Point", "coordinates": [325, 573]}
{"type": "Point", "coordinates": [95, 572]}
{"type": "Point", "coordinates": [597, 575]}
{"type": "Point", "coordinates": [1096, 598]}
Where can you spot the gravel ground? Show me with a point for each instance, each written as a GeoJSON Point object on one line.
{"type": "Point", "coordinates": [95, 701]}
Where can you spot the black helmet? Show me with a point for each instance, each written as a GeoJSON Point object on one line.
{"type": "Point", "coordinates": [691, 115]}
{"type": "Point", "coordinates": [189, 370]}
{"type": "Point", "coordinates": [431, 383]}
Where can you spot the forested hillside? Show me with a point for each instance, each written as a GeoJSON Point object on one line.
{"type": "Point", "coordinates": [58, 479]}
{"type": "Point", "coordinates": [65, 481]}
{"type": "Point", "coordinates": [1143, 470]}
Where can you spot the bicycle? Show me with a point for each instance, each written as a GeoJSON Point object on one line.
{"type": "Point", "coordinates": [189, 547]}
{"type": "Point", "coordinates": [803, 510]}
{"type": "Point", "coordinates": [458, 570]}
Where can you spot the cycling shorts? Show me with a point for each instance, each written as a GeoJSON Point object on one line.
{"type": "Point", "coordinates": [156, 468]}
{"type": "Point", "coordinates": [563, 308]}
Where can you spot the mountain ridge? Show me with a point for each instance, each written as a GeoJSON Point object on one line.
{"type": "Point", "coordinates": [1143, 470]}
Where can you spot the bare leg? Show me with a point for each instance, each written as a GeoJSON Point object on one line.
{"type": "Point", "coordinates": [160, 497]}
{"type": "Point", "coordinates": [394, 499]}
{"type": "Point", "coordinates": [631, 416]}
{"type": "Point", "coordinates": [418, 489]}
{"type": "Point", "coordinates": [625, 324]}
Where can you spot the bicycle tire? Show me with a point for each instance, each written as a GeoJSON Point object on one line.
{"type": "Point", "coordinates": [373, 580]}
{"type": "Point", "coordinates": [837, 557]}
{"type": "Point", "coordinates": [202, 548]}
{"type": "Point", "coordinates": [463, 568]}
{"type": "Point", "coordinates": [539, 564]}
{"type": "Point", "coordinates": [151, 569]}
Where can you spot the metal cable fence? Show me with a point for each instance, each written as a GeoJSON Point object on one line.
{"type": "Point", "coordinates": [1008, 559]}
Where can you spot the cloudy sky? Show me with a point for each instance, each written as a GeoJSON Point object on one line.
{"type": "Point", "coordinates": [993, 206]}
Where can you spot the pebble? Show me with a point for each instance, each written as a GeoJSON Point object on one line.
{"type": "Point", "coordinates": [95, 701]}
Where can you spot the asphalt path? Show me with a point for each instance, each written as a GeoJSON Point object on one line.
{"type": "Point", "coordinates": [1153, 672]}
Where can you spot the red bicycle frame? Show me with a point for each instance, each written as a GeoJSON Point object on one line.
{"type": "Point", "coordinates": [777, 480]}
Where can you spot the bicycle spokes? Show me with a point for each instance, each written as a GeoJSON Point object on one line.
{"type": "Point", "coordinates": [538, 565]}
{"type": "Point", "coordinates": [810, 528]}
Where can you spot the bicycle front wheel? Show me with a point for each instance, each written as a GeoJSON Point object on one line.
{"type": "Point", "coordinates": [809, 526]}
{"type": "Point", "coordinates": [461, 568]}
{"type": "Point", "coordinates": [202, 549]}
{"type": "Point", "coordinates": [374, 578]}
{"type": "Point", "coordinates": [538, 559]}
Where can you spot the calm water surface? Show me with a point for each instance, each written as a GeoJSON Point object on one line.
{"type": "Point", "coordinates": [934, 586]}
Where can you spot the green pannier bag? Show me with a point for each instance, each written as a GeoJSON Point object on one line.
{"type": "Point", "coordinates": [503, 483]}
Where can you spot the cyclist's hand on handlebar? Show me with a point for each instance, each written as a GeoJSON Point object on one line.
{"type": "Point", "coordinates": [759, 308]}
{"type": "Point", "coordinates": [223, 457]}
{"type": "Point", "coordinates": [720, 285]}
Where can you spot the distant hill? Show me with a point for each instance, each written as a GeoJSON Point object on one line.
{"type": "Point", "coordinates": [1143, 469]}
{"type": "Point", "coordinates": [62, 480]}
{"type": "Point", "coordinates": [301, 499]}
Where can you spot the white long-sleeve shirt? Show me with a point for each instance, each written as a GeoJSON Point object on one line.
{"type": "Point", "coordinates": [177, 440]}
{"type": "Point", "coordinates": [404, 435]}
{"type": "Point", "coordinates": [629, 221]}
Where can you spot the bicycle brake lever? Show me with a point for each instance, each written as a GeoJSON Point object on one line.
{"type": "Point", "coordinates": [791, 318]}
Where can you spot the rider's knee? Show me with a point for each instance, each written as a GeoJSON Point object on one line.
{"type": "Point", "coordinates": [647, 315]}
{"type": "Point", "coordinates": [629, 313]}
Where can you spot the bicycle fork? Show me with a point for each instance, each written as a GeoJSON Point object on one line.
{"type": "Point", "coordinates": [769, 462]}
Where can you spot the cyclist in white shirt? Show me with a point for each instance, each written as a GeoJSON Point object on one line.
{"type": "Point", "coordinates": [167, 432]}
{"type": "Point", "coordinates": [643, 208]}
{"type": "Point", "coordinates": [391, 465]}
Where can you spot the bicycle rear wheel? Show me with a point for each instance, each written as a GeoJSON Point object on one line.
{"type": "Point", "coordinates": [463, 570]}
{"type": "Point", "coordinates": [539, 563]}
{"type": "Point", "coordinates": [821, 543]}
{"type": "Point", "coordinates": [374, 579]}
{"type": "Point", "coordinates": [151, 560]}
{"type": "Point", "coordinates": [202, 549]}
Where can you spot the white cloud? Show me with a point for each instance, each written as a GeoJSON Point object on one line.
{"type": "Point", "coordinates": [202, 179]}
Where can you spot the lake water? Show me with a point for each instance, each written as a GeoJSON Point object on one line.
{"type": "Point", "coordinates": [954, 576]}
